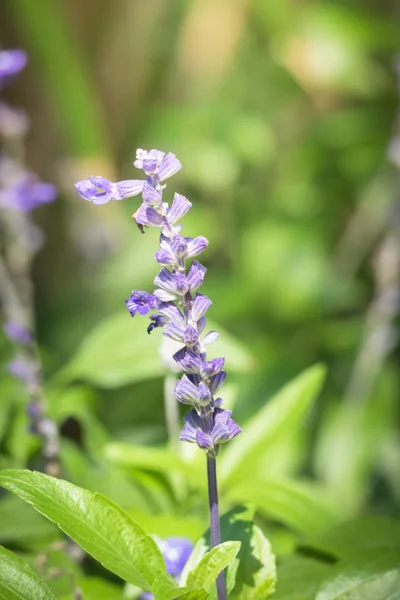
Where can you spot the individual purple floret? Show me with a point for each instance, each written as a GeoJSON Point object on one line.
{"type": "Point", "coordinates": [11, 63]}
{"type": "Point", "coordinates": [17, 332]}
{"type": "Point", "coordinates": [179, 308]}
{"type": "Point", "coordinates": [176, 551]}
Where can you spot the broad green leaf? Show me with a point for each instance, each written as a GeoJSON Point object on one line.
{"type": "Point", "coordinates": [300, 578]}
{"type": "Point", "coordinates": [251, 575]}
{"type": "Point", "coordinates": [30, 528]}
{"type": "Point", "coordinates": [102, 528]}
{"type": "Point", "coordinates": [362, 586]}
{"type": "Point", "coordinates": [56, 565]}
{"type": "Point", "coordinates": [351, 540]}
{"type": "Point", "coordinates": [103, 478]}
{"type": "Point", "coordinates": [166, 588]}
{"type": "Point", "coordinates": [95, 588]}
{"type": "Point", "coordinates": [19, 582]}
{"type": "Point", "coordinates": [281, 414]}
{"type": "Point", "coordinates": [257, 578]}
{"type": "Point", "coordinates": [215, 561]}
{"type": "Point", "coordinates": [299, 505]}
{"type": "Point", "coordinates": [118, 351]}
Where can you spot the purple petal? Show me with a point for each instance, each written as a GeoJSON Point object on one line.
{"type": "Point", "coordinates": [191, 336]}
{"type": "Point", "coordinates": [204, 440]}
{"type": "Point", "coordinates": [130, 187]}
{"type": "Point", "coordinates": [164, 296]}
{"type": "Point", "coordinates": [224, 428]}
{"type": "Point", "coordinates": [98, 190]}
{"type": "Point", "coordinates": [175, 331]}
{"type": "Point", "coordinates": [188, 360]}
{"type": "Point", "coordinates": [168, 167]}
{"type": "Point", "coordinates": [179, 246]}
{"type": "Point", "coordinates": [196, 246]}
{"type": "Point", "coordinates": [200, 306]}
{"type": "Point", "coordinates": [203, 394]}
{"type": "Point", "coordinates": [148, 216]}
{"type": "Point", "coordinates": [185, 391]}
{"type": "Point", "coordinates": [141, 302]}
{"type": "Point", "coordinates": [151, 195]}
{"type": "Point", "coordinates": [211, 337]}
{"type": "Point", "coordinates": [165, 257]}
{"type": "Point", "coordinates": [216, 381]}
{"type": "Point", "coordinates": [196, 275]}
{"type": "Point", "coordinates": [201, 323]}
{"type": "Point", "coordinates": [157, 321]}
{"type": "Point", "coordinates": [212, 367]}
{"type": "Point", "coordinates": [171, 311]}
{"type": "Point", "coordinates": [175, 283]}
{"type": "Point", "coordinates": [179, 208]}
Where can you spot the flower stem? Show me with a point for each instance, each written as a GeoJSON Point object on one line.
{"type": "Point", "coordinates": [215, 528]}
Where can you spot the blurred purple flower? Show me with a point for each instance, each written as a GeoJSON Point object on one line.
{"type": "Point", "coordinates": [21, 368]}
{"type": "Point", "coordinates": [17, 332]}
{"type": "Point", "coordinates": [176, 552]}
{"type": "Point", "coordinates": [11, 63]}
{"type": "Point", "coordinates": [25, 193]}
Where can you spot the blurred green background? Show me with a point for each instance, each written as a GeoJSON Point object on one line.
{"type": "Point", "coordinates": [282, 113]}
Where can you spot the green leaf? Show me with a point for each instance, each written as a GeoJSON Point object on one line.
{"type": "Point", "coordinates": [28, 529]}
{"type": "Point", "coordinates": [299, 505]}
{"type": "Point", "coordinates": [258, 563]}
{"type": "Point", "coordinates": [19, 582]}
{"type": "Point", "coordinates": [118, 352]}
{"type": "Point", "coordinates": [349, 541]}
{"type": "Point", "coordinates": [102, 528]}
{"type": "Point", "coordinates": [251, 575]}
{"type": "Point", "coordinates": [215, 561]}
{"type": "Point", "coordinates": [166, 588]}
{"type": "Point", "coordinates": [362, 586]}
{"type": "Point", "coordinates": [95, 588]}
{"type": "Point", "coordinates": [300, 578]}
{"type": "Point", "coordinates": [281, 414]}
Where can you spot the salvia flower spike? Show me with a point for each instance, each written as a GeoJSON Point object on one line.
{"type": "Point", "coordinates": [177, 306]}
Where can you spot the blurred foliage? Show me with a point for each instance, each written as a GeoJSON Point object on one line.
{"type": "Point", "coordinates": [281, 113]}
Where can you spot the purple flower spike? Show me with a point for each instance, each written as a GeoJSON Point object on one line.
{"type": "Point", "coordinates": [141, 302]}
{"type": "Point", "coordinates": [17, 332]}
{"type": "Point", "coordinates": [179, 309]}
{"type": "Point", "coordinates": [11, 63]}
